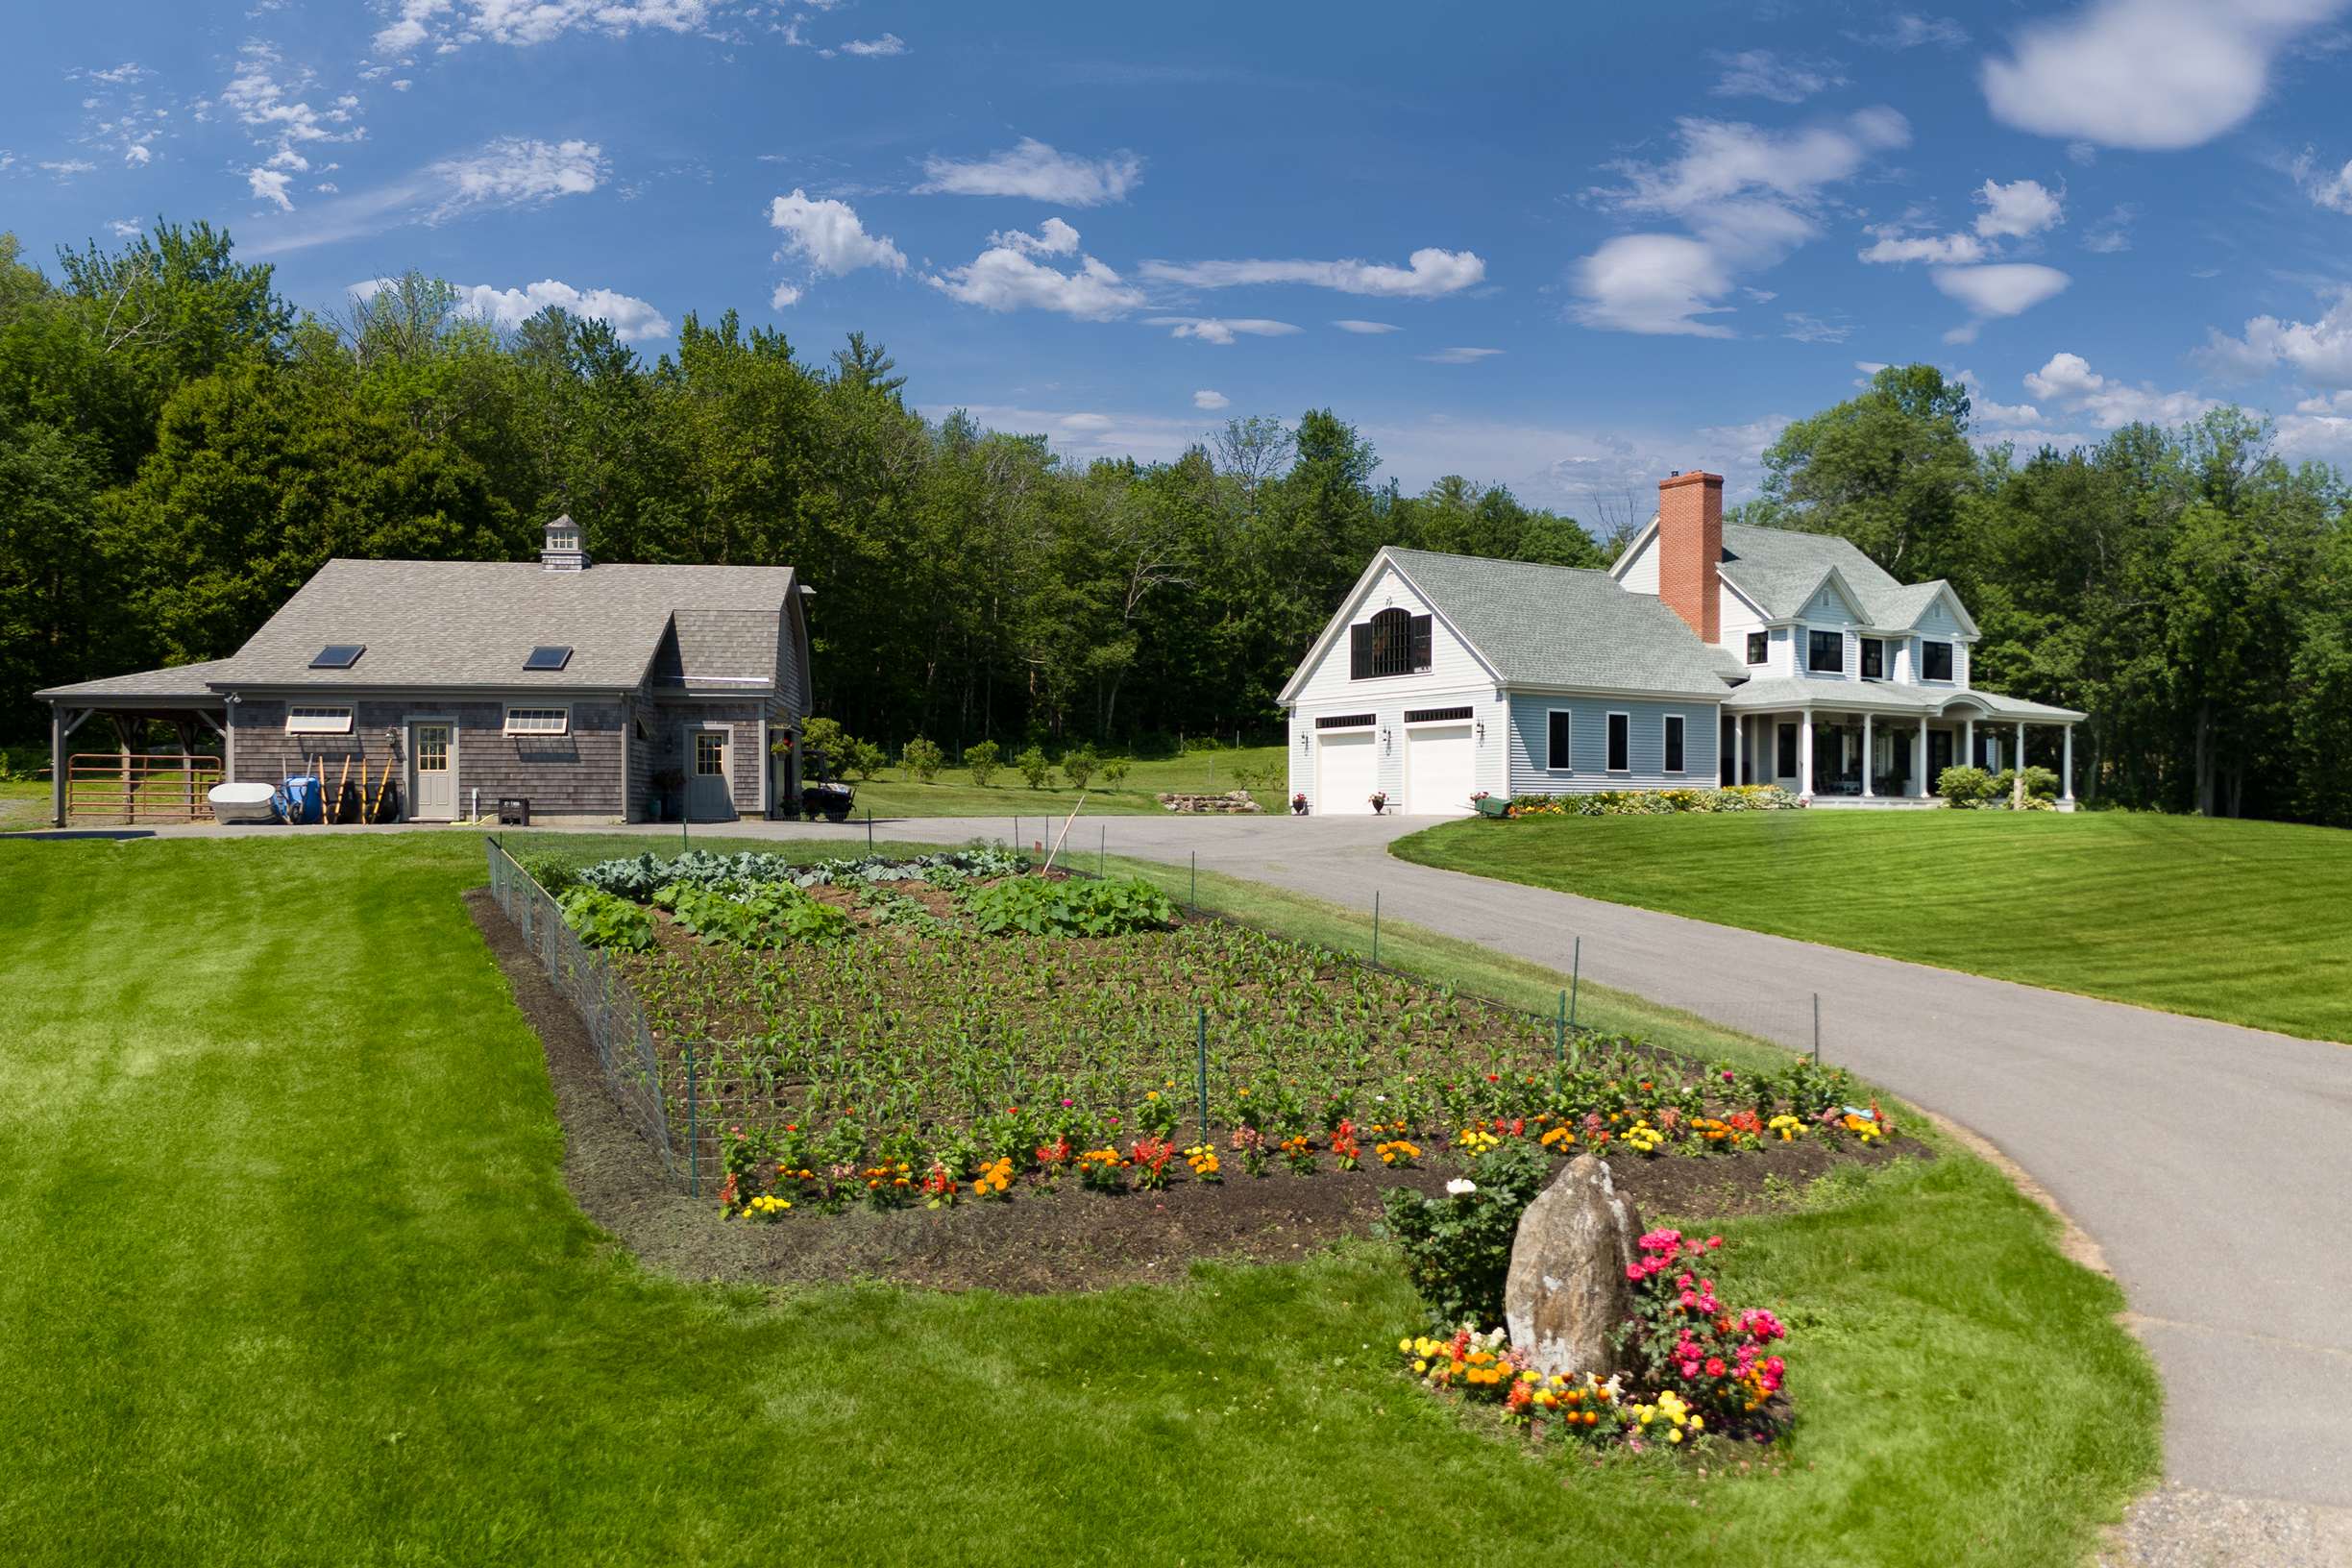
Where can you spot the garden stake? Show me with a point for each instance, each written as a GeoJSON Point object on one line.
{"type": "Point", "coordinates": [1817, 1028]}
{"type": "Point", "coordinates": [1102, 851]}
{"type": "Point", "coordinates": [1376, 930]}
{"type": "Point", "coordinates": [869, 830]}
{"type": "Point", "coordinates": [1575, 975]}
{"type": "Point", "coordinates": [1201, 1041]}
{"type": "Point", "coordinates": [694, 1143]}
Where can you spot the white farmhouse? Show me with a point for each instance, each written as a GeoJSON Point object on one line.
{"type": "Point", "coordinates": [1710, 653]}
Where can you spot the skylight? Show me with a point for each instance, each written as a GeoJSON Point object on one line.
{"type": "Point", "coordinates": [547, 658]}
{"type": "Point", "coordinates": [338, 655]}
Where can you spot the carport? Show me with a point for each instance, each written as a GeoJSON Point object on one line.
{"type": "Point", "coordinates": [124, 785]}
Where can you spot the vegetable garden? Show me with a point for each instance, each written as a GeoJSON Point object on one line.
{"type": "Point", "coordinates": [964, 1026]}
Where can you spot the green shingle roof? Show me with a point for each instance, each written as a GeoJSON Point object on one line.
{"type": "Point", "coordinates": [1559, 625]}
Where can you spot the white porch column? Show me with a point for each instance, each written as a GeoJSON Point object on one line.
{"type": "Point", "coordinates": [57, 766]}
{"type": "Point", "coordinates": [1804, 755]}
{"type": "Point", "coordinates": [1739, 749]}
{"type": "Point", "coordinates": [1919, 763]}
{"type": "Point", "coordinates": [2066, 774]}
{"type": "Point", "coordinates": [1869, 753]}
{"type": "Point", "coordinates": [2019, 763]}
{"type": "Point", "coordinates": [1968, 741]}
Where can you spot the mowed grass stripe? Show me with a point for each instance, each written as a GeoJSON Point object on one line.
{"type": "Point", "coordinates": [292, 1277]}
{"type": "Point", "coordinates": [2235, 921]}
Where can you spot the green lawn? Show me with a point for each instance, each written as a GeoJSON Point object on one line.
{"type": "Point", "coordinates": [2237, 920]}
{"type": "Point", "coordinates": [897, 793]}
{"type": "Point", "coordinates": [24, 804]}
{"type": "Point", "coordinates": [291, 1276]}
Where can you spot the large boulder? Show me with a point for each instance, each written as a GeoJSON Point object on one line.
{"type": "Point", "coordinates": [1567, 1292]}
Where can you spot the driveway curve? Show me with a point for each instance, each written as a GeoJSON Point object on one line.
{"type": "Point", "coordinates": [2211, 1163]}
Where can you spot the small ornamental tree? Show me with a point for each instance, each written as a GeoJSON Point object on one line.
{"type": "Point", "coordinates": [982, 761]}
{"type": "Point", "coordinates": [1033, 767]}
{"type": "Point", "coordinates": [1079, 765]}
{"type": "Point", "coordinates": [922, 758]}
{"type": "Point", "coordinates": [1113, 773]}
{"type": "Point", "coordinates": [863, 758]}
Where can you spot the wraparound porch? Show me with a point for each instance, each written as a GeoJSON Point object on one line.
{"type": "Point", "coordinates": [1828, 750]}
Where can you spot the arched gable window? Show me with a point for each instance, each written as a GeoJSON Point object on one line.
{"type": "Point", "coordinates": [1392, 643]}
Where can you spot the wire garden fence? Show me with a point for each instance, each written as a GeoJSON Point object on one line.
{"type": "Point", "coordinates": [616, 1022]}
{"type": "Point", "coordinates": [679, 1092]}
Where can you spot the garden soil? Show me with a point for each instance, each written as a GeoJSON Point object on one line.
{"type": "Point", "coordinates": [1040, 1241]}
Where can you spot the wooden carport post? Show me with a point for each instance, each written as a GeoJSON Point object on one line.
{"type": "Point", "coordinates": [61, 729]}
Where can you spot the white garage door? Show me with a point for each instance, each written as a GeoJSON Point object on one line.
{"type": "Point", "coordinates": [1440, 771]}
{"type": "Point", "coordinates": [1345, 774]}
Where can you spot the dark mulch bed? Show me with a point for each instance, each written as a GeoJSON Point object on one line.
{"type": "Point", "coordinates": [1040, 1241]}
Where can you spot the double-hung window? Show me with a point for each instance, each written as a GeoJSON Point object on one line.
{"type": "Point", "coordinates": [1826, 653]}
{"type": "Point", "coordinates": [1620, 743]}
{"type": "Point", "coordinates": [1559, 756]}
{"type": "Point", "coordinates": [1874, 660]}
{"type": "Point", "coordinates": [1759, 646]}
{"type": "Point", "coordinates": [1935, 661]}
{"type": "Point", "coordinates": [1674, 742]}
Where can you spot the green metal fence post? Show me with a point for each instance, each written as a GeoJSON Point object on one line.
{"type": "Point", "coordinates": [1376, 930]}
{"type": "Point", "coordinates": [1196, 881]}
{"type": "Point", "coordinates": [1559, 1040]}
{"type": "Point", "coordinates": [694, 1140]}
{"type": "Point", "coordinates": [869, 830]}
{"type": "Point", "coordinates": [1102, 851]}
{"type": "Point", "coordinates": [1575, 976]}
{"type": "Point", "coordinates": [1817, 1028]}
{"type": "Point", "coordinates": [1201, 1041]}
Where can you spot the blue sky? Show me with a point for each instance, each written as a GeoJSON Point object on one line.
{"type": "Point", "coordinates": [1561, 246]}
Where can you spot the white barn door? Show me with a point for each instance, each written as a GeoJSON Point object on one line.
{"type": "Point", "coordinates": [1440, 771]}
{"type": "Point", "coordinates": [1346, 773]}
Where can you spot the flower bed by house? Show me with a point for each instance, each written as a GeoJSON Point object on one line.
{"type": "Point", "coordinates": [1655, 802]}
{"type": "Point", "coordinates": [933, 1033]}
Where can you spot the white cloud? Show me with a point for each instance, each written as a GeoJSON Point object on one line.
{"type": "Point", "coordinates": [1899, 248]}
{"type": "Point", "coordinates": [1808, 329]}
{"type": "Point", "coordinates": [1211, 401]}
{"type": "Point", "coordinates": [1906, 30]}
{"type": "Point", "coordinates": [2005, 288]}
{"type": "Point", "coordinates": [116, 76]}
{"type": "Point", "coordinates": [881, 48]}
{"type": "Point", "coordinates": [1365, 328]}
{"type": "Point", "coordinates": [2069, 380]}
{"type": "Point", "coordinates": [1984, 410]}
{"type": "Point", "coordinates": [1747, 195]}
{"type": "Point", "coordinates": [66, 168]}
{"type": "Point", "coordinates": [830, 236]}
{"type": "Point", "coordinates": [1759, 73]}
{"type": "Point", "coordinates": [1457, 356]}
{"type": "Point", "coordinates": [1220, 329]}
{"type": "Point", "coordinates": [137, 154]}
{"type": "Point", "coordinates": [1652, 283]}
{"type": "Point", "coordinates": [2145, 74]}
{"type": "Point", "coordinates": [2316, 352]}
{"type": "Point", "coordinates": [1053, 238]}
{"type": "Point", "coordinates": [1038, 172]}
{"type": "Point", "coordinates": [123, 228]}
{"type": "Point", "coordinates": [1088, 435]}
{"type": "Point", "coordinates": [2331, 188]}
{"type": "Point", "coordinates": [1006, 277]}
{"type": "Point", "coordinates": [451, 24]}
{"type": "Point", "coordinates": [516, 171]}
{"type": "Point", "coordinates": [632, 319]}
{"type": "Point", "coordinates": [2016, 210]}
{"type": "Point", "coordinates": [263, 97]}
{"type": "Point", "coordinates": [1428, 273]}
{"type": "Point", "coordinates": [2112, 232]}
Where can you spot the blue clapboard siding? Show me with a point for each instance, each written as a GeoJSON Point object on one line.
{"type": "Point", "coordinates": [1529, 745]}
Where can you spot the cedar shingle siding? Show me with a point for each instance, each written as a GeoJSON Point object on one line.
{"type": "Point", "coordinates": [578, 775]}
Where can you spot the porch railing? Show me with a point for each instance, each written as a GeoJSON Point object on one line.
{"type": "Point", "coordinates": [139, 787]}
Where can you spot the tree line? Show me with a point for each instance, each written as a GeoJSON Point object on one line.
{"type": "Point", "coordinates": [180, 448]}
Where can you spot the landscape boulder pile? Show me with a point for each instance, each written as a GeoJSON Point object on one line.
{"type": "Point", "coordinates": [1231, 800]}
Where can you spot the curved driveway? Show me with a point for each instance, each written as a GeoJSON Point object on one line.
{"type": "Point", "coordinates": [2212, 1163]}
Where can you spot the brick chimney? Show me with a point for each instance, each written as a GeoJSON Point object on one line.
{"type": "Point", "coordinates": [562, 551]}
{"type": "Point", "coordinates": [1690, 549]}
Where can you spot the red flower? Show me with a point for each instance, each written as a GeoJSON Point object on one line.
{"type": "Point", "coordinates": [1715, 1366]}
